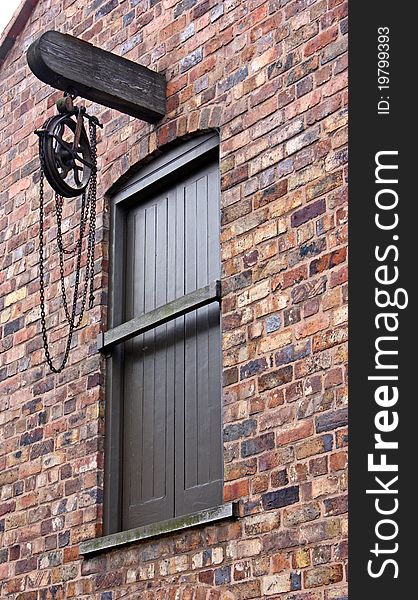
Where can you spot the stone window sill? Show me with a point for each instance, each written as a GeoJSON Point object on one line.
{"type": "Point", "coordinates": [114, 540]}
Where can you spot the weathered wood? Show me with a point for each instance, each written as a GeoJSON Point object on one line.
{"type": "Point", "coordinates": [159, 316]}
{"type": "Point", "coordinates": [68, 63]}
{"type": "Point", "coordinates": [229, 510]}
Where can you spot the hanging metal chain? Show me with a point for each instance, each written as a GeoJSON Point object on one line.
{"type": "Point", "coordinates": [93, 201]}
{"type": "Point", "coordinates": [87, 213]}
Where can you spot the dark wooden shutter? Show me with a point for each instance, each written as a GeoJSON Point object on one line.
{"type": "Point", "coordinates": [172, 395]}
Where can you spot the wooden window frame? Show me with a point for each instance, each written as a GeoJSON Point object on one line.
{"type": "Point", "coordinates": [159, 172]}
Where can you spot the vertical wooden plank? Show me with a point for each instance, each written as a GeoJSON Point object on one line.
{"type": "Point", "coordinates": [202, 484]}
{"type": "Point", "coordinates": [138, 260]}
{"type": "Point", "coordinates": [180, 350]}
{"type": "Point", "coordinates": [113, 482]}
{"type": "Point", "coordinates": [202, 400]}
{"type": "Point", "coordinates": [133, 380]}
{"type": "Point", "coordinates": [170, 349]}
{"type": "Point", "coordinates": [190, 398]}
{"type": "Point", "coordinates": [146, 390]}
{"type": "Point", "coordinates": [130, 401]}
{"type": "Point", "coordinates": [147, 433]}
{"type": "Point", "coordinates": [159, 474]}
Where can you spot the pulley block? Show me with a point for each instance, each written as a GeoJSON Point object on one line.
{"type": "Point", "coordinates": [65, 149]}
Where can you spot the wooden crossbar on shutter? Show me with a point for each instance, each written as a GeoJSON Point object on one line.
{"type": "Point", "coordinates": [172, 392]}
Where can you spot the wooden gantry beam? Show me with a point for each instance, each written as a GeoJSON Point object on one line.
{"type": "Point", "coordinates": [70, 64]}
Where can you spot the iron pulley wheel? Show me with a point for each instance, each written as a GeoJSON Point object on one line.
{"type": "Point", "coordinates": [68, 161]}
{"type": "Point", "coordinates": [67, 156]}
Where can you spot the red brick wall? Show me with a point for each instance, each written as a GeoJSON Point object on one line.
{"type": "Point", "coordinates": [271, 75]}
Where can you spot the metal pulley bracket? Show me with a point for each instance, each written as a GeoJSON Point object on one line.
{"type": "Point", "coordinates": [68, 161]}
{"type": "Point", "coordinates": [65, 149]}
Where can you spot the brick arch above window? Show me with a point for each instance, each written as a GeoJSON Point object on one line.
{"type": "Point", "coordinates": [155, 145]}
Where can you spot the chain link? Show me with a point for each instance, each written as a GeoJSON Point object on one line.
{"type": "Point", "coordinates": [87, 214]}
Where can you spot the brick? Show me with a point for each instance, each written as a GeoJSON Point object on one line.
{"type": "Point", "coordinates": [283, 133]}
{"type": "Point", "coordinates": [183, 6]}
{"type": "Point", "coordinates": [338, 461]}
{"type": "Point", "coordinates": [341, 438]}
{"type": "Point", "coordinates": [280, 498]}
{"type": "Point", "coordinates": [274, 459]}
{"type": "Point", "coordinates": [245, 548]}
{"type": "Point", "coordinates": [308, 212]}
{"type": "Point", "coordinates": [331, 420]}
{"type": "Point", "coordinates": [280, 539]}
{"type": "Point", "coordinates": [7, 507]}
{"type": "Point", "coordinates": [239, 430]}
{"type": "Point", "coordinates": [301, 558]}
{"type": "Point", "coordinates": [13, 326]}
{"type": "Point", "coordinates": [324, 109]}
{"type": "Point", "coordinates": [257, 292]}
{"type": "Point", "coordinates": [230, 376]}
{"type": "Point", "coordinates": [14, 297]}
{"type": "Point", "coordinates": [274, 341]}
{"type": "Point", "coordinates": [191, 60]}
{"type": "Point", "coordinates": [245, 590]}
{"type": "Point", "coordinates": [322, 576]}
{"type": "Point", "coordinates": [287, 204]}
{"type": "Point", "coordinates": [253, 368]}
{"type": "Point", "coordinates": [324, 185]}
{"type": "Point", "coordinates": [329, 339]}
{"type": "Point", "coordinates": [257, 445]}
{"type": "Point", "coordinates": [304, 176]}
{"type": "Point", "coordinates": [302, 70]}
{"type": "Point", "coordinates": [321, 555]}
{"type": "Point", "coordinates": [31, 437]}
{"type": "Point", "coordinates": [292, 353]}
{"type": "Point", "coordinates": [307, 101]}
{"type": "Point", "coordinates": [277, 418]}
{"type": "Point", "coordinates": [275, 378]}
{"type": "Point", "coordinates": [305, 251]}
{"type": "Point", "coordinates": [314, 404]}
{"type": "Point", "coordinates": [233, 79]}
{"type": "Point", "coordinates": [333, 50]}
{"type": "Point", "coordinates": [270, 194]}
{"type": "Point", "coordinates": [328, 261]}
{"type": "Point", "coordinates": [296, 275]}
{"type": "Point", "coordinates": [304, 86]}
{"type": "Point", "coordinates": [223, 575]}
{"type": "Point", "coordinates": [295, 516]}
{"type": "Point", "coordinates": [242, 570]}
{"type": "Point", "coordinates": [276, 584]}
{"type": "Point", "coordinates": [336, 594]}
{"type": "Point", "coordinates": [336, 120]}
{"type": "Point", "coordinates": [235, 490]}
{"type": "Point", "coordinates": [258, 524]}
{"type": "Point", "coordinates": [319, 531]}
{"type": "Point", "coordinates": [273, 323]}
{"type": "Point", "coordinates": [302, 35]}
{"type": "Point", "coordinates": [295, 433]}
{"type": "Point", "coordinates": [301, 141]}
{"type": "Point", "coordinates": [336, 506]}
{"type": "Point", "coordinates": [320, 41]}
{"type": "Point", "coordinates": [309, 290]}
{"type": "Point", "coordinates": [26, 565]}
